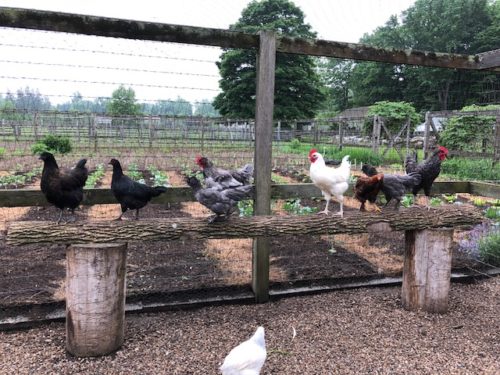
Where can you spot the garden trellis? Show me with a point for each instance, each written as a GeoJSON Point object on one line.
{"type": "Point", "coordinates": [268, 44]}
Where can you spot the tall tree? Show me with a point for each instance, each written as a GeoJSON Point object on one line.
{"type": "Point", "coordinates": [454, 26]}
{"type": "Point", "coordinates": [123, 102]}
{"type": "Point", "coordinates": [298, 91]}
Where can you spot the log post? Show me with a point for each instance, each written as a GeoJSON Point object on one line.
{"type": "Point", "coordinates": [95, 298]}
{"type": "Point", "coordinates": [427, 269]}
{"type": "Point", "coordinates": [428, 121]}
{"type": "Point", "coordinates": [263, 158]}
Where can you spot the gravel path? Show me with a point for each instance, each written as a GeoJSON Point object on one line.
{"type": "Point", "coordinates": [362, 331]}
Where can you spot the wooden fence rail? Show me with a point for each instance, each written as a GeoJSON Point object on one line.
{"type": "Point", "coordinates": [32, 197]}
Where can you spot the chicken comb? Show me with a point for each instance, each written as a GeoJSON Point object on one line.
{"type": "Point", "coordinates": [197, 159]}
{"type": "Point", "coordinates": [443, 149]}
{"type": "Point", "coordinates": [312, 151]}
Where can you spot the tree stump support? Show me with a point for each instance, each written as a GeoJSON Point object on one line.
{"type": "Point", "coordinates": [95, 298]}
{"type": "Point", "coordinates": [427, 269]}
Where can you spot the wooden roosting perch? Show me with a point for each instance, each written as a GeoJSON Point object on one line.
{"type": "Point", "coordinates": [96, 259]}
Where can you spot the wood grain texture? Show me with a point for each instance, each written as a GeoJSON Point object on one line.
{"type": "Point", "coordinates": [427, 270]}
{"type": "Point", "coordinates": [95, 298]}
{"type": "Point", "coordinates": [29, 232]}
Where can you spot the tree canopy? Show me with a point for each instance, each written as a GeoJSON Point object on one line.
{"type": "Point", "coordinates": [123, 102]}
{"type": "Point", "coordinates": [453, 26]}
{"type": "Point", "coordinates": [298, 90]}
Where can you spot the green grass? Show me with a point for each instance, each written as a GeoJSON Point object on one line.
{"type": "Point", "coordinates": [470, 169]}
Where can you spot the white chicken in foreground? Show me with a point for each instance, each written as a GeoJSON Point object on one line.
{"type": "Point", "coordinates": [331, 181]}
{"type": "Point", "coordinates": [248, 357]}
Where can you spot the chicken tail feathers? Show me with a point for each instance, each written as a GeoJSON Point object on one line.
{"type": "Point", "coordinates": [157, 190]}
{"type": "Point", "coordinates": [411, 180]}
{"type": "Point", "coordinates": [240, 193]}
{"type": "Point", "coordinates": [81, 164]}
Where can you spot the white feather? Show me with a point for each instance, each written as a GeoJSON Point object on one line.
{"type": "Point", "coordinates": [248, 357]}
{"type": "Point", "coordinates": [333, 181]}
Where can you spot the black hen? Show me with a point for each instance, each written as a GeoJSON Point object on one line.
{"type": "Point", "coordinates": [131, 194]}
{"type": "Point", "coordinates": [62, 189]}
{"type": "Point", "coordinates": [394, 186]}
{"type": "Point", "coordinates": [220, 201]}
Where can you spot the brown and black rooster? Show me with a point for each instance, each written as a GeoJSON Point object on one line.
{"type": "Point", "coordinates": [428, 170]}
{"type": "Point", "coordinates": [367, 189]}
{"type": "Point", "coordinates": [393, 186]}
{"type": "Point", "coordinates": [63, 189]}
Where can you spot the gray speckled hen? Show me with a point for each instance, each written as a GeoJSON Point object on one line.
{"type": "Point", "coordinates": [220, 201]}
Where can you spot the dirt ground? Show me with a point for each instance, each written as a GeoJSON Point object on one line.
{"type": "Point", "coordinates": [362, 331]}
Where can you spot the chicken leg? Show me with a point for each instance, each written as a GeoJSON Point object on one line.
{"type": "Point", "coordinates": [325, 211]}
{"type": "Point", "coordinates": [60, 216]}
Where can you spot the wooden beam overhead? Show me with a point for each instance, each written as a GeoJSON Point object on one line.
{"type": "Point", "coordinates": [490, 60]}
{"type": "Point", "coordinates": [161, 32]}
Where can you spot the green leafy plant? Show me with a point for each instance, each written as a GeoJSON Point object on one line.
{"type": "Point", "coordinates": [407, 201]}
{"type": "Point", "coordinates": [496, 203]}
{"type": "Point", "coordinates": [450, 198]}
{"type": "Point", "coordinates": [470, 169]}
{"type": "Point", "coordinates": [492, 213]}
{"type": "Point", "coordinates": [52, 143]}
{"type": "Point", "coordinates": [2, 152]}
{"type": "Point", "coordinates": [245, 208]}
{"type": "Point", "coordinates": [94, 177]}
{"type": "Point", "coordinates": [434, 202]}
{"type": "Point", "coordinates": [479, 202]}
{"type": "Point", "coordinates": [489, 248]}
{"type": "Point", "coordinates": [134, 173]}
{"type": "Point", "coordinates": [159, 178]}
{"type": "Point", "coordinates": [293, 206]}
{"type": "Point", "coordinates": [295, 144]}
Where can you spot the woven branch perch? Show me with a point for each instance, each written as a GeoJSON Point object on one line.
{"type": "Point", "coordinates": [30, 232]}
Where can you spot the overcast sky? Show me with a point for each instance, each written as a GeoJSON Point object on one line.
{"type": "Point", "coordinates": [60, 64]}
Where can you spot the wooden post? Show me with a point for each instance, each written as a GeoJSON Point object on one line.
{"type": "Point", "coordinates": [341, 135]}
{"type": "Point", "coordinates": [496, 142]}
{"type": "Point", "coordinates": [408, 130]}
{"type": "Point", "coordinates": [151, 132]}
{"type": "Point", "coordinates": [95, 298]}
{"type": "Point", "coordinates": [263, 158]}
{"type": "Point", "coordinates": [427, 269]}
{"type": "Point", "coordinates": [428, 120]}
{"type": "Point", "coordinates": [376, 134]}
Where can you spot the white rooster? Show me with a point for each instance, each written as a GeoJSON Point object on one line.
{"type": "Point", "coordinates": [331, 181]}
{"type": "Point", "coordinates": [248, 357]}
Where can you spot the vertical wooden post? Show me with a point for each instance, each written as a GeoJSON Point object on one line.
{"type": "Point", "coordinates": [35, 125]}
{"type": "Point", "coordinates": [151, 132]}
{"type": "Point", "coordinates": [95, 298]}
{"type": "Point", "coordinates": [496, 142]}
{"type": "Point", "coordinates": [376, 134]}
{"type": "Point", "coordinates": [427, 269]}
{"type": "Point", "coordinates": [428, 120]}
{"type": "Point", "coordinates": [408, 130]}
{"type": "Point", "coordinates": [263, 158]}
{"type": "Point", "coordinates": [341, 135]}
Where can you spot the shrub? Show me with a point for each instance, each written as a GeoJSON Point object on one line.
{"type": "Point", "coordinates": [482, 242]}
{"type": "Point", "coordinates": [395, 115]}
{"type": "Point", "coordinates": [489, 248]}
{"type": "Point", "coordinates": [467, 132]}
{"type": "Point", "coordinates": [52, 143]}
{"type": "Point", "coordinates": [2, 152]}
{"type": "Point", "coordinates": [470, 169]}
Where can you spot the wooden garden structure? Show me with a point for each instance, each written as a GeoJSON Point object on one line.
{"type": "Point", "coordinates": [420, 225]}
